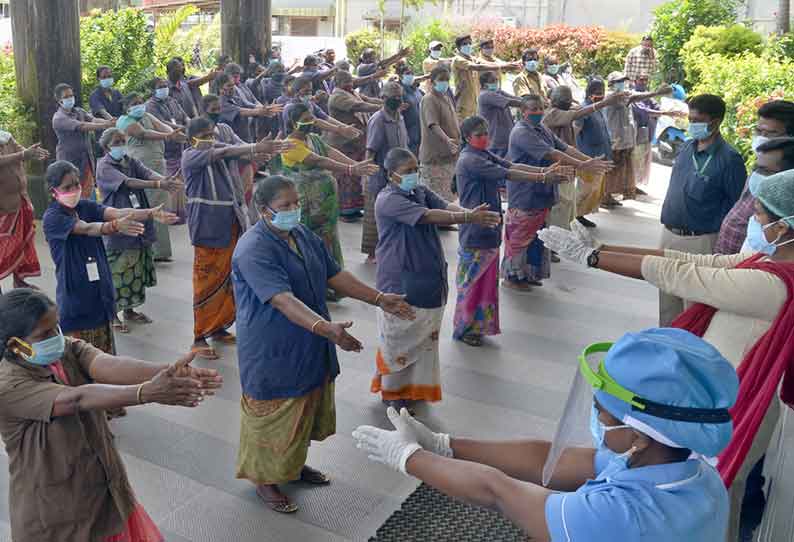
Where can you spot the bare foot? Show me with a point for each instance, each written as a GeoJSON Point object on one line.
{"type": "Point", "coordinates": [203, 350]}
{"type": "Point", "coordinates": [371, 260]}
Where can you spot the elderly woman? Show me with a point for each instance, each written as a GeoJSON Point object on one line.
{"type": "Point", "coordinates": [122, 182]}
{"type": "Point", "coordinates": [146, 139]}
{"type": "Point", "coordinates": [74, 229]}
{"type": "Point", "coordinates": [411, 263]}
{"type": "Point", "coordinates": [479, 175]}
{"type": "Point", "coordinates": [592, 139]}
{"type": "Point", "coordinates": [67, 480]}
{"type": "Point", "coordinates": [73, 127]}
{"type": "Point", "coordinates": [744, 305]}
{"type": "Point", "coordinates": [286, 349]}
{"type": "Point", "coordinates": [309, 164]}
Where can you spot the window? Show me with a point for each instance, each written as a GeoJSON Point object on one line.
{"type": "Point", "coordinates": [303, 26]}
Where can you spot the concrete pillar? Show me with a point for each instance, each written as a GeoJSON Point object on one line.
{"type": "Point", "coordinates": [245, 29]}
{"type": "Point", "coordinates": [46, 38]}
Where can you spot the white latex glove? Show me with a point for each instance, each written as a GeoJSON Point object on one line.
{"type": "Point", "coordinates": [414, 430]}
{"type": "Point", "coordinates": [388, 447]}
{"type": "Point", "coordinates": [585, 236]}
{"type": "Point", "coordinates": [566, 244]}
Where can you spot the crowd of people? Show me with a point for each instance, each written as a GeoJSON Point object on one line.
{"type": "Point", "coordinates": [263, 168]}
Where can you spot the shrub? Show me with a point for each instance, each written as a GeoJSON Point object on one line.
{"type": "Point", "coordinates": [165, 45]}
{"type": "Point", "coordinates": [118, 39]}
{"type": "Point", "coordinates": [15, 117]}
{"type": "Point", "coordinates": [208, 36]}
{"type": "Point", "coordinates": [747, 115]}
{"type": "Point", "coordinates": [676, 20]}
{"type": "Point", "coordinates": [419, 37]}
{"type": "Point", "coordinates": [366, 38]}
{"type": "Point", "coordinates": [610, 55]}
{"type": "Point", "coordinates": [722, 40]}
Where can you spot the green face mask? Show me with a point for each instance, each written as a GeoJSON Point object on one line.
{"type": "Point", "coordinates": [304, 127]}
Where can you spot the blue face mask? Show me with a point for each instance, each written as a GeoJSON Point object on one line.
{"type": "Point", "coordinates": [754, 183]}
{"type": "Point", "coordinates": [598, 430]}
{"type": "Point", "coordinates": [492, 86]}
{"type": "Point", "coordinates": [137, 111]}
{"type": "Point", "coordinates": [620, 86]}
{"type": "Point", "coordinates": [161, 93]}
{"type": "Point", "coordinates": [286, 220]}
{"type": "Point", "coordinates": [554, 69]}
{"type": "Point", "coordinates": [107, 82]}
{"type": "Point", "coordinates": [699, 130]}
{"type": "Point", "coordinates": [68, 103]}
{"type": "Point", "coordinates": [48, 351]}
{"type": "Point", "coordinates": [409, 181]}
{"type": "Point", "coordinates": [531, 65]}
{"type": "Point", "coordinates": [117, 153]}
{"type": "Point", "coordinates": [465, 49]}
{"type": "Point", "coordinates": [757, 240]}
{"type": "Point", "coordinates": [408, 79]}
{"type": "Point", "coordinates": [441, 86]}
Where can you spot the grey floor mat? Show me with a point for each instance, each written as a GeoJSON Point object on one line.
{"type": "Point", "coordinates": [428, 515]}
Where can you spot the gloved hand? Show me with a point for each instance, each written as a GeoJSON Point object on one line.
{"type": "Point", "coordinates": [388, 447]}
{"type": "Point", "coordinates": [414, 430]}
{"type": "Point", "coordinates": [585, 236]}
{"type": "Point", "coordinates": [565, 243]}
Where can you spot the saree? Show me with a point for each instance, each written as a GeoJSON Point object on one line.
{"type": "Point", "coordinates": [407, 362]}
{"type": "Point", "coordinates": [477, 307]}
{"type": "Point", "coordinates": [620, 180]}
{"type": "Point", "coordinates": [213, 295]}
{"type": "Point", "coordinates": [641, 162]}
{"type": "Point", "coordinates": [139, 528]}
{"type": "Point", "coordinates": [318, 194]}
{"type": "Point", "coordinates": [351, 191]}
{"type": "Point", "coordinates": [589, 191]}
{"type": "Point", "coordinates": [565, 210]}
{"type": "Point", "coordinates": [17, 243]}
{"type": "Point", "coordinates": [275, 434]}
{"type": "Point", "coordinates": [177, 201]}
{"type": "Point", "coordinates": [100, 337]}
{"type": "Point", "coordinates": [526, 257]}
{"type": "Point", "coordinates": [438, 177]}
{"type": "Point", "coordinates": [369, 229]}
{"type": "Point", "coordinates": [133, 272]}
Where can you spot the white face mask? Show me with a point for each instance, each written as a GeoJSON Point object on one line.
{"type": "Point", "coordinates": [5, 137]}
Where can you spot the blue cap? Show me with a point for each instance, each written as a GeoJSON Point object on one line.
{"type": "Point", "coordinates": [672, 367]}
{"type": "Point", "coordinates": [678, 92]}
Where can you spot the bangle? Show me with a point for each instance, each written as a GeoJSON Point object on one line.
{"type": "Point", "coordinates": [467, 216]}
{"type": "Point", "coordinates": [314, 325]}
{"type": "Point", "coordinates": [138, 393]}
{"type": "Point", "coordinates": [377, 299]}
{"type": "Point", "coordinates": [158, 184]}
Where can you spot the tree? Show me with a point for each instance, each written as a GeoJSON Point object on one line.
{"type": "Point", "coordinates": [783, 16]}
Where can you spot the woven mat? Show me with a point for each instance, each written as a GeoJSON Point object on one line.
{"type": "Point", "coordinates": [428, 515]}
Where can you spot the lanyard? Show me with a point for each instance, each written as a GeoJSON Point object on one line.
{"type": "Point", "coordinates": [698, 169]}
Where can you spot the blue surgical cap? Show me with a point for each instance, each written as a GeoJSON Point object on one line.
{"type": "Point", "coordinates": [678, 92]}
{"type": "Point", "coordinates": [672, 367]}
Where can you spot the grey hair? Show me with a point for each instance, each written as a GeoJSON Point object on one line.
{"type": "Point", "coordinates": [107, 137]}
{"type": "Point", "coordinates": [342, 77]}
{"type": "Point", "coordinates": [391, 88]}
{"type": "Point", "coordinates": [269, 188]}
{"type": "Point", "coordinates": [560, 92]}
{"type": "Point", "coordinates": [396, 158]}
{"type": "Point", "coordinates": [57, 171]}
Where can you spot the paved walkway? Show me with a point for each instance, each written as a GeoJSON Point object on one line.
{"type": "Point", "coordinates": [181, 461]}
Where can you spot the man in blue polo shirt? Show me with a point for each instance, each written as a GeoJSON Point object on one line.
{"type": "Point", "coordinates": [707, 179]}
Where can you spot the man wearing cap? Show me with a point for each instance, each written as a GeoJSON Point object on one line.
{"type": "Point", "coordinates": [641, 60]}
{"type": "Point", "coordinates": [529, 82]}
{"type": "Point", "coordinates": [435, 50]}
{"type": "Point", "coordinates": [465, 70]}
{"type": "Point", "coordinates": [639, 479]}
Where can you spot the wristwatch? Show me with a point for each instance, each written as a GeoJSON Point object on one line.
{"type": "Point", "coordinates": [592, 259]}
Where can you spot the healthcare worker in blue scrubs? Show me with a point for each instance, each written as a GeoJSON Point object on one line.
{"type": "Point", "coordinates": [659, 409]}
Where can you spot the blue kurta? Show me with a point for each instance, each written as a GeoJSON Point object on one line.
{"type": "Point", "coordinates": [277, 358]}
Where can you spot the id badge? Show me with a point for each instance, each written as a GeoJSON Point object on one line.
{"type": "Point", "coordinates": [134, 201]}
{"type": "Point", "coordinates": [93, 271]}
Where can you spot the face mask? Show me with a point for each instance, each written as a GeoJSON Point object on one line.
{"type": "Point", "coordinates": [286, 220]}
{"type": "Point", "coordinates": [492, 86]}
{"type": "Point", "coordinates": [531, 65]}
{"type": "Point", "coordinates": [305, 127]}
{"type": "Point", "coordinates": [161, 93]}
{"type": "Point", "coordinates": [699, 130]}
{"type": "Point", "coordinates": [758, 140]}
{"type": "Point", "coordinates": [534, 118]}
{"type": "Point", "coordinates": [5, 137]}
{"type": "Point", "coordinates": [393, 103]}
{"type": "Point", "coordinates": [756, 237]}
{"type": "Point", "coordinates": [554, 69]}
{"type": "Point", "coordinates": [596, 98]}
{"type": "Point", "coordinates": [68, 103]}
{"type": "Point", "coordinates": [465, 49]}
{"type": "Point", "coordinates": [214, 117]}
{"type": "Point", "coordinates": [598, 430]}
{"type": "Point", "coordinates": [137, 111]}
{"type": "Point", "coordinates": [106, 83]}
{"type": "Point", "coordinates": [68, 199]}
{"type": "Point", "coordinates": [620, 86]}
{"type": "Point", "coordinates": [306, 99]}
{"type": "Point", "coordinates": [754, 182]}
{"type": "Point", "coordinates": [46, 352]}
{"type": "Point", "coordinates": [479, 142]}
{"type": "Point", "coordinates": [117, 153]}
{"type": "Point", "coordinates": [435, 53]}
{"type": "Point", "coordinates": [408, 79]}
{"type": "Point", "coordinates": [564, 105]}
{"type": "Point", "coordinates": [640, 87]}
{"type": "Point", "coordinates": [488, 51]}
{"type": "Point", "coordinates": [197, 142]}
{"type": "Point", "coordinates": [278, 78]}
{"type": "Point", "coordinates": [409, 181]}
{"type": "Point", "coordinates": [441, 86]}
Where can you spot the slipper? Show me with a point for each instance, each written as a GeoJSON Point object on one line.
{"type": "Point", "coordinates": [226, 338]}
{"type": "Point", "coordinates": [282, 506]}
{"type": "Point", "coordinates": [517, 289]}
{"type": "Point", "coordinates": [121, 327]}
{"type": "Point", "coordinates": [138, 317]}
{"type": "Point", "coordinates": [472, 340]}
{"type": "Point", "coordinates": [314, 477]}
{"type": "Point", "coordinates": [204, 352]}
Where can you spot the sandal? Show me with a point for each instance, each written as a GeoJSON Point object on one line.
{"type": "Point", "coordinates": [314, 477]}
{"type": "Point", "coordinates": [224, 338]}
{"type": "Point", "coordinates": [138, 317]}
{"type": "Point", "coordinates": [472, 340]}
{"type": "Point", "coordinates": [120, 326]}
{"type": "Point", "coordinates": [282, 506]}
{"type": "Point", "coordinates": [204, 352]}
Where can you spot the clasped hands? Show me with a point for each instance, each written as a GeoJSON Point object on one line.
{"type": "Point", "coordinates": [575, 245]}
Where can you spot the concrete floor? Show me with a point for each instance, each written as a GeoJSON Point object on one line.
{"type": "Point", "coordinates": [181, 461]}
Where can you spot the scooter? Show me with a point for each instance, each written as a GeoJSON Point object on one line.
{"type": "Point", "coordinates": [671, 131]}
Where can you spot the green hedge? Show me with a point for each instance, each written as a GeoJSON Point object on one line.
{"type": "Point", "coordinates": [728, 41]}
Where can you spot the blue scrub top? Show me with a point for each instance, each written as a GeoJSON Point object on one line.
{"type": "Point", "coordinates": [684, 501]}
{"type": "Point", "coordinates": [82, 304]}
{"type": "Point", "coordinates": [277, 358]}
